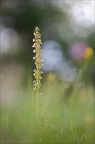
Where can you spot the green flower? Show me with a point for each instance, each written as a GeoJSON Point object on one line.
{"type": "Point", "coordinates": [38, 61]}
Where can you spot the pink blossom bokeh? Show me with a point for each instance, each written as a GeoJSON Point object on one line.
{"type": "Point", "coordinates": [77, 50]}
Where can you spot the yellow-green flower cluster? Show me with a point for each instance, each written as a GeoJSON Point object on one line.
{"type": "Point", "coordinates": [38, 60]}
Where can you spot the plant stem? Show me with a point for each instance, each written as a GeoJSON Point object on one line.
{"type": "Point", "coordinates": [37, 103]}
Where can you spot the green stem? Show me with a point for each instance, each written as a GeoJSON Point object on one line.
{"type": "Point", "coordinates": [37, 101]}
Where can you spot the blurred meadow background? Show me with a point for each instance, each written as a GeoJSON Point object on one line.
{"type": "Point", "coordinates": [67, 114]}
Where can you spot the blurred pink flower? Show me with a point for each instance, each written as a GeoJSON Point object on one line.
{"type": "Point", "coordinates": [77, 50]}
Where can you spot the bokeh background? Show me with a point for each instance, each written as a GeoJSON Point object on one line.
{"type": "Point", "coordinates": [68, 37]}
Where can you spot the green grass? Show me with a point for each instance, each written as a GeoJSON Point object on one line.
{"type": "Point", "coordinates": [68, 121]}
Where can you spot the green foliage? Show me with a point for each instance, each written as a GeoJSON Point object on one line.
{"type": "Point", "coordinates": [69, 121]}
